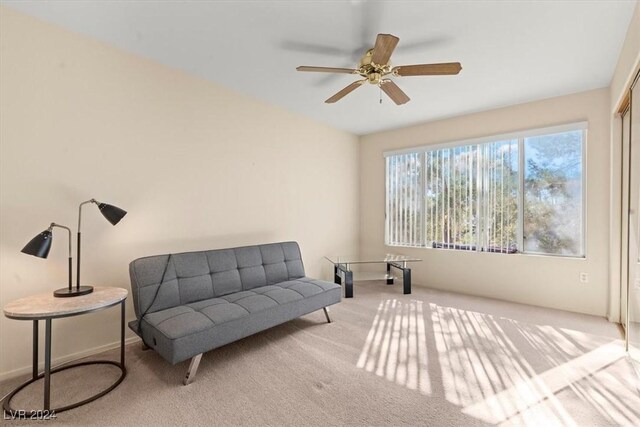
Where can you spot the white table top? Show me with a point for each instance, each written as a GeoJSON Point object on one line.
{"type": "Point", "coordinates": [43, 306]}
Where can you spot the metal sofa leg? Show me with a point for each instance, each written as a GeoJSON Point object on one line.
{"type": "Point", "coordinates": [193, 368]}
{"type": "Point", "coordinates": [326, 313]}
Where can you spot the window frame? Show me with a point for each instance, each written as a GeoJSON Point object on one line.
{"type": "Point", "coordinates": [520, 136]}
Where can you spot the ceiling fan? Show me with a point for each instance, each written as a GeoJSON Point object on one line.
{"type": "Point", "coordinates": [375, 67]}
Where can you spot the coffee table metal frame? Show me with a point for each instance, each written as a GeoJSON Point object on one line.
{"type": "Point", "coordinates": [344, 269]}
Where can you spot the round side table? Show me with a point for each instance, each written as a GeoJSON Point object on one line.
{"type": "Point", "coordinates": [46, 307]}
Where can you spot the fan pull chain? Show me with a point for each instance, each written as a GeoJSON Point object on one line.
{"type": "Point", "coordinates": [380, 91]}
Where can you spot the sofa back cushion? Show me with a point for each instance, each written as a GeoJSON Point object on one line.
{"type": "Point", "coordinates": [164, 281]}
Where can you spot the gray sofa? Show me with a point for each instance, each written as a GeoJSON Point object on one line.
{"type": "Point", "coordinates": [189, 303]}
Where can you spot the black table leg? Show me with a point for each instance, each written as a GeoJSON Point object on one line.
{"type": "Point", "coordinates": [47, 366]}
{"type": "Point", "coordinates": [122, 321]}
{"type": "Point", "coordinates": [348, 283]}
{"type": "Point", "coordinates": [406, 280]}
{"type": "Point", "coordinates": [34, 374]}
{"type": "Point", "coordinates": [389, 276]}
{"type": "Point", "coordinates": [336, 276]}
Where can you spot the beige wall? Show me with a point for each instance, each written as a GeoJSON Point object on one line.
{"type": "Point", "coordinates": [196, 165]}
{"type": "Point", "coordinates": [539, 280]}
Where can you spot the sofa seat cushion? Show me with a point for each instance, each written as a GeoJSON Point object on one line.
{"type": "Point", "coordinates": [176, 323]}
{"type": "Point", "coordinates": [307, 287]}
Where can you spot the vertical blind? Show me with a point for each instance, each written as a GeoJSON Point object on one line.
{"type": "Point", "coordinates": [500, 196]}
{"type": "Point", "coordinates": [404, 201]}
{"type": "Point", "coordinates": [451, 202]}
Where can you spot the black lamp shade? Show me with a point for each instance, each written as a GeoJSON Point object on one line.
{"type": "Point", "coordinates": [113, 213]}
{"type": "Point", "coordinates": [40, 245]}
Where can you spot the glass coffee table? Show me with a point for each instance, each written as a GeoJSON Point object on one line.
{"type": "Point", "coordinates": [342, 268]}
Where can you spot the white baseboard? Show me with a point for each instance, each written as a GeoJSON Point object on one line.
{"type": "Point", "coordinates": [67, 358]}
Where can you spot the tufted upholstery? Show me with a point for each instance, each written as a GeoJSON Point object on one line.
{"type": "Point", "coordinates": [195, 276]}
{"type": "Point", "coordinates": [193, 302]}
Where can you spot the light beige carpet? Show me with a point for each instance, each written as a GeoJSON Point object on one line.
{"type": "Point", "coordinates": [430, 358]}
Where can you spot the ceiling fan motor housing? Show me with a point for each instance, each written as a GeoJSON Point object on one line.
{"type": "Point", "coordinates": [371, 71]}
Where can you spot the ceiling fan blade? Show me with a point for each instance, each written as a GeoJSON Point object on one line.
{"type": "Point", "coordinates": [428, 69]}
{"type": "Point", "coordinates": [344, 92]}
{"type": "Point", "coordinates": [327, 70]}
{"type": "Point", "coordinates": [394, 92]}
{"type": "Point", "coordinates": [385, 44]}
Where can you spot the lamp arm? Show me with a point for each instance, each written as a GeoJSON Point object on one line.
{"type": "Point", "coordinates": [80, 211]}
{"type": "Point", "coordinates": [53, 224]}
{"type": "Point", "coordinates": [78, 249]}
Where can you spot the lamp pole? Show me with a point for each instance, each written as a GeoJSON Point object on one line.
{"type": "Point", "coordinates": [79, 240]}
{"type": "Point", "coordinates": [113, 214]}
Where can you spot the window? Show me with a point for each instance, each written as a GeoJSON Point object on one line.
{"type": "Point", "coordinates": [553, 194]}
{"type": "Point", "coordinates": [521, 193]}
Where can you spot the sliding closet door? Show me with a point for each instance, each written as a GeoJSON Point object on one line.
{"type": "Point", "coordinates": [624, 271]}
{"type": "Point", "coordinates": [633, 256]}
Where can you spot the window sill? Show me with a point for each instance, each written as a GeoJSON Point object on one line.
{"type": "Point", "coordinates": [528, 254]}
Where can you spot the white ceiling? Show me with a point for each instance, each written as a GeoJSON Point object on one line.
{"type": "Point", "coordinates": [511, 51]}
